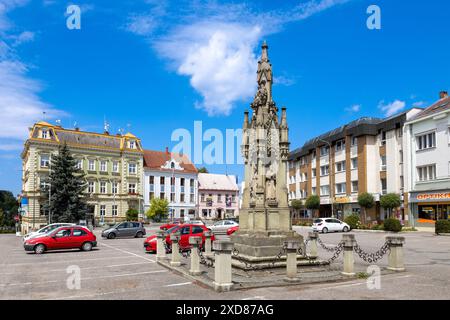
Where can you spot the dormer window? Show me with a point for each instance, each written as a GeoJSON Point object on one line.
{"type": "Point", "coordinates": [132, 144]}
{"type": "Point", "coordinates": [172, 165]}
{"type": "Point", "coordinates": [44, 134]}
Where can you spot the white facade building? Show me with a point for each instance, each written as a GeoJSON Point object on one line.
{"type": "Point", "coordinates": [427, 165]}
{"type": "Point", "coordinates": [173, 177]}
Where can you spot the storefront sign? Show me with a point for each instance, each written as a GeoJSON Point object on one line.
{"type": "Point", "coordinates": [342, 200]}
{"type": "Point", "coordinates": [430, 197]}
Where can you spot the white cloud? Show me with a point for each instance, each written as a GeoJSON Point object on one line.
{"type": "Point", "coordinates": [354, 108]}
{"type": "Point", "coordinates": [214, 45]}
{"type": "Point", "coordinates": [392, 108]}
{"type": "Point", "coordinates": [283, 81]}
{"type": "Point", "coordinates": [11, 146]}
{"type": "Point", "coordinates": [418, 104]}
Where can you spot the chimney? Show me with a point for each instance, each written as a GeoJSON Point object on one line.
{"type": "Point", "coordinates": [443, 94]}
{"type": "Point", "coordinates": [77, 129]}
{"type": "Point", "coordinates": [167, 150]}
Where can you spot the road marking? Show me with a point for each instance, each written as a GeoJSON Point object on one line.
{"type": "Point", "coordinates": [128, 252]}
{"type": "Point", "coordinates": [63, 261]}
{"type": "Point", "coordinates": [82, 279]}
{"type": "Point", "coordinates": [178, 284]}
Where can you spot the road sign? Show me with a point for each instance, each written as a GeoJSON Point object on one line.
{"type": "Point", "coordinates": [16, 218]}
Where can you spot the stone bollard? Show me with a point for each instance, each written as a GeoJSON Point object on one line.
{"type": "Point", "coordinates": [208, 235]}
{"type": "Point", "coordinates": [312, 236]}
{"type": "Point", "coordinates": [176, 256]}
{"type": "Point", "coordinates": [222, 265]}
{"type": "Point", "coordinates": [395, 258]}
{"type": "Point", "coordinates": [349, 260]}
{"type": "Point", "coordinates": [160, 247]}
{"type": "Point", "coordinates": [195, 257]}
{"type": "Point", "coordinates": [291, 261]}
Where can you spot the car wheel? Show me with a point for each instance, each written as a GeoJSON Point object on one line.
{"type": "Point", "coordinates": [325, 230]}
{"type": "Point", "coordinates": [345, 229]}
{"type": "Point", "coordinates": [39, 249]}
{"type": "Point", "coordinates": [139, 234]}
{"type": "Point", "coordinates": [87, 246]}
{"type": "Point", "coordinates": [111, 235]}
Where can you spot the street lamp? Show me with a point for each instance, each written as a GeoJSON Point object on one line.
{"type": "Point", "coordinates": [329, 155]}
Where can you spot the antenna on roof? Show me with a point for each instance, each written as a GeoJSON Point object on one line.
{"type": "Point", "coordinates": [43, 115]}
{"type": "Point", "coordinates": [105, 125]}
{"type": "Point", "coordinates": [120, 131]}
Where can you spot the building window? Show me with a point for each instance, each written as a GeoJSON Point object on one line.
{"type": "Point", "coordinates": [44, 134]}
{"type": "Point", "coordinates": [91, 165]}
{"type": "Point", "coordinates": [79, 164]}
{"type": "Point", "coordinates": [115, 187]}
{"type": "Point", "coordinates": [383, 138]}
{"type": "Point", "coordinates": [152, 195]}
{"type": "Point", "coordinates": [102, 187]}
{"type": "Point", "coordinates": [354, 141]}
{"type": "Point", "coordinates": [162, 195]}
{"type": "Point", "coordinates": [162, 183]}
{"type": "Point", "coordinates": [115, 167]}
{"type": "Point", "coordinates": [383, 186]}
{"type": "Point", "coordinates": [426, 141]}
{"type": "Point", "coordinates": [192, 200]}
{"type": "Point", "coordinates": [340, 145]}
{"type": "Point", "coordinates": [219, 198]}
{"type": "Point", "coordinates": [427, 173]}
{"type": "Point", "coordinates": [132, 168]}
{"type": "Point", "coordinates": [354, 163]}
{"type": "Point", "coordinates": [172, 197]}
{"type": "Point", "coordinates": [45, 161]}
{"type": "Point", "coordinates": [402, 182]}
{"type": "Point", "coordinates": [313, 156]}
{"type": "Point", "coordinates": [305, 176]}
{"type": "Point", "coordinates": [114, 210]}
{"type": "Point", "coordinates": [132, 188]}
{"type": "Point", "coordinates": [314, 190]}
{"type": "Point", "coordinates": [340, 188]}
{"type": "Point", "coordinates": [181, 197]}
{"type": "Point", "coordinates": [324, 151]}
{"type": "Point", "coordinates": [91, 186]}
{"type": "Point", "coordinates": [152, 183]}
{"type": "Point", "coordinates": [182, 185]}
{"type": "Point", "coordinates": [401, 156]}
{"type": "Point", "coordinates": [202, 197]}
{"type": "Point", "coordinates": [233, 198]}
{"type": "Point", "coordinates": [103, 167]}
{"type": "Point", "coordinates": [340, 166]}
{"type": "Point", "coordinates": [172, 184]}
{"type": "Point", "coordinates": [383, 163]}
{"type": "Point", "coordinates": [313, 173]}
{"type": "Point", "coordinates": [325, 190]}
{"type": "Point", "coordinates": [132, 144]}
{"type": "Point", "coordinates": [354, 186]}
{"type": "Point", "coordinates": [324, 170]}
{"type": "Point", "coordinates": [103, 210]}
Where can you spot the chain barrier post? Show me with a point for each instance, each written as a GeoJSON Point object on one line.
{"type": "Point", "coordinates": [195, 256]}
{"type": "Point", "coordinates": [312, 236]}
{"type": "Point", "coordinates": [348, 241]}
{"type": "Point", "coordinates": [160, 247]}
{"type": "Point", "coordinates": [292, 247]}
{"type": "Point", "coordinates": [208, 235]}
{"type": "Point", "coordinates": [176, 256]}
{"type": "Point", "coordinates": [222, 270]}
{"type": "Point", "coordinates": [395, 257]}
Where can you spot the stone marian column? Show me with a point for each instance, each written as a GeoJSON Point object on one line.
{"type": "Point", "coordinates": [208, 235]}
{"type": "Point", "coordinates": [160, 248]}
{"type": "Point", "coordinates": [395, 258]}
{"type": "Point", "coordinates": [222, 265]}
{"type": "Point", "coordinates": [176, 256]}
{"type": "Point", "coordinates": [312, 236]}
{"type": "Point", "coordinates": [349, 260]}
{"type": "Point", "coordinates": [291, 261]}
{"type": "Point", "coordinates": [195, 257]}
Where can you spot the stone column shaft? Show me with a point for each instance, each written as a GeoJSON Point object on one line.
{"type": "Point", "coordinates": [395, 258]}
{"type": "Point", "coordinates": [349, 260]}
{"type": "Point", "coordinates": [160, 248]}
{"type": "Point", "coordinates": [222, 271]}
{"type": "Point", "coordinates": [195, 257]}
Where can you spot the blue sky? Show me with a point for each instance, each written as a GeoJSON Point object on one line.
{"type": "Point", "coordinates": [153, 66]}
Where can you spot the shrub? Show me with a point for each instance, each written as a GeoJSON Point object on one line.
{"type": "Point", "coordinates": [132, 214]}
{"type": "Point", "coordinates": [353, 221]}
{"type": "Point", "coordinates": [393, 225]}
{"type": "Point", "coordinates": [377, 227]}
{"type": "Point", "coordinates": [442, 226]}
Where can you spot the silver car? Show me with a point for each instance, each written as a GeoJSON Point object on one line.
{"type": "Point", "coordinates": [125, 230]}
{"type": "Point", "coordinates": [45, 230]}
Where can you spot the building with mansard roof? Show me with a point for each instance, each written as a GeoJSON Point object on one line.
{"type": "Point", "coordinates": [112, 164]}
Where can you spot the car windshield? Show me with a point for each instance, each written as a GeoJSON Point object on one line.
{"type": "Point", "coordinates": [168, 231]}
{"type": "Point", "coordinates": [318, 221]}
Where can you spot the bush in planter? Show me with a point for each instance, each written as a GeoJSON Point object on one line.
{"type": "Point", "coordinates": [393, 225]}
{"type": "Point", "coordinates": [442, 226]}
{"type": "Point", "coordinates": [353, 221]}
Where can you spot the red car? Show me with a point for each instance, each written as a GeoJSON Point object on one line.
{"type": "Point", "coordinates": [186, 231]}
{"type": "Point", "coordinates": [169, 225]}
{"type": "Point", "coordinates": [76, 237]}
{"type": "Point", "coordinates": [232, 230]}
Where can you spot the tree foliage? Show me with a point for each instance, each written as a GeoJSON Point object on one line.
{"type": "Point", "coordinates": [9, 207]}
{"type": "Point", "coordinates": [67, 186]}
{"type": "Point", "coordinates": [366, 200]}
{"type": "Point", "coordinates": [203, 170]}
{"type": "Point", "coordinates": [313, 202]}
{"type": "Point", "coordinates": [132, 214]}
{"type": "Point", "coordinates": [296, 204]}
{"type": "Point", "coordinates": [159, 209]}
{"type": "Point", "coordinates": [390, 201]}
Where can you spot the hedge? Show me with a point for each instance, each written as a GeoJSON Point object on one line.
{"type": "Point", "coordinates": [392, 224]}
{"type": "Point", "coordinates": [353, 221]}
{"type": "Point", "coordinates": [442, 226]}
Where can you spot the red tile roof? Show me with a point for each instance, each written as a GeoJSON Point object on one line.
{"type": "Point", "coordinates": [440, 105]}
{"type": "Point", "coordinates": [156, 159]}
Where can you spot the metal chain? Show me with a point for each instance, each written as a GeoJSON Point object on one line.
{"type": "Point", "coordinates": [203, 260]}
{"type": "Point", "coordinates": [372, 257]}
{"type": "Point", "coordinates": [248, 265]}
{"type": "Point", "coordinates": [184, 253]}
{"type": "Point", "coordinates": [329, 249]}
{"type": "Point", "coordinates": [280, 254]}
{"type": "Point", "coordinates": [337, 251]}
{"type": "Point", "coordinates": [167, 247]}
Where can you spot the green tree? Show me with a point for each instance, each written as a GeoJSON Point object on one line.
{"type": "Point", "coordinates": [296, 205]}
{"type": "Point", "coordinates": [313, 202]}
{"type": "Point", "coordinates": [366, 201]}
{"type": "Point", "coordinates": [132, 214]}
{"type": "Point", "coordinates": [9, 207]}
{"type": "Point", "coordinates": [67, 186]}
{"type": "Point", "coordinates": [159, 209]}
{"type": "Point", "coordinates": [203, 170]}
{"type": "Point", "coordinates": [390, 201]}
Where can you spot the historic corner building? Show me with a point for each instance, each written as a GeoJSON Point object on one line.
{"type": "Point", "coordinates": [171, 176]}
{"type": "Point", "coordinates": [365, 155]}
{"type": "Point", "coordinates": [112, 164]}
{"type": "Point", "coordinates": [427, 145]}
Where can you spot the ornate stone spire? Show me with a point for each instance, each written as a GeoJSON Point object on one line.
{"type": "Point", "coordinates": [264, 73]}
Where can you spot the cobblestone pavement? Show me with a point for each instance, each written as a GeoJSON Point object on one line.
{"type": "Point", "coordinates": [120, 269]}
